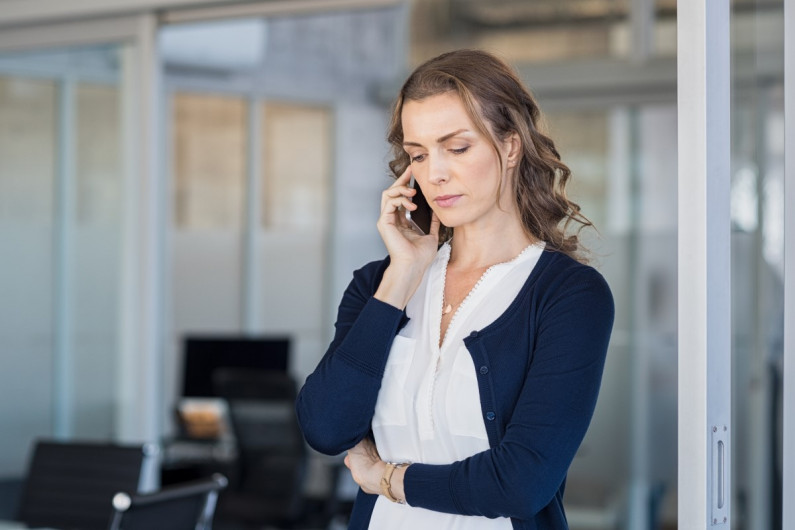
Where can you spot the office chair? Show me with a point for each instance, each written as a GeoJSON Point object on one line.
{"type": "Point", "coordinates": [187, 506]}
{"type": "Point", "coordinates": [69, 485]}
{"type": "Point", "coordinates": [268, 487]}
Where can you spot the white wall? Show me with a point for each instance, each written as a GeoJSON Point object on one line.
{"type": "Point", "coordinates": [26, 338]}
{"type": "Point", "coordinates": [361, 174]}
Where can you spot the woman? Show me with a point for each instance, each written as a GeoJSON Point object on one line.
{"type": "Point", "coordinates": [462, 376]}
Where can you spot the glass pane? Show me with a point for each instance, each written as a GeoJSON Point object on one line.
{"type": "Point", "coordinates": [273, 279]}
{"type": "Point", "coordinates": [601, 468]}
{"type": "Point", "coordinates": [297, 165]}
{"type": "Point", "coordinates": [209, 149]}
{"type": "Point", "coordinates": [28, 114]}
{"type": "Point", "coordinates": [97, 253]}
{"type": "Point", "coordinates": [209, 160]}
{"type": "Point", "coordinates": [582, 139]}
{"type": "Point", "coordinates": [757, 213]}
{"type": "Point", "coordinates": [98, 154]}
{"type": "Point", "coordinates": [60, 218]}
{"type": "Point", "coordinates": [624, 178]}
{"type": "Point", "coordinates": [297, 161]}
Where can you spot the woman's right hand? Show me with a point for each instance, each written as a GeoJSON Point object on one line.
{"type": "Point", "coordinates": [410, 252]}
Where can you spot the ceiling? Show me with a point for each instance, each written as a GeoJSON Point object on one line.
{"type": "Point", "coordinates": [512, 13]}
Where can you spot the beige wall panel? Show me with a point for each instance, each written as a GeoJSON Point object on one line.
{"type": "Point", "coordinates": [209, 160]}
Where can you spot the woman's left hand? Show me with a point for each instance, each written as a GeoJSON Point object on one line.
{"type": "Point", "coordinates": [366, 466]}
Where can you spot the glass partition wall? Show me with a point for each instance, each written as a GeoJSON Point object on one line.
{"type": "Point", "coordinates": [624, 180]}
{"type": "Point", "coordinates": [238, 272]}
{"type": "Point", "coordinates": [61, 206]}
{"type": "Point", "coordinates": [275, 160]}
{"type": "Point", "coordinates": [757, 222]}
{"type": "Point", "coordinates": [254, 147]}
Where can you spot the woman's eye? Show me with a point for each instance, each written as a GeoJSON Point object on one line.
{"type": "Point", "coordinates": [460, 150]}
{"type": "Point", "coordinates": [418, 158]}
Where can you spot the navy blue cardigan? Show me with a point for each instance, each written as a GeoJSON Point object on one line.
{"type": "Point", "coordinates": [539, 367]}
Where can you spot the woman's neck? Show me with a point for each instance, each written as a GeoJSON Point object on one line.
{"type": "Point", "coordinates": [481, 247]}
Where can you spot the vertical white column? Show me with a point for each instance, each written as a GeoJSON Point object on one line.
{"type": "Point", "coordinates": [63, 361]}
{"type": "Point", "coordinates": [252, 270]}
{"type": "Point", "coordinates": [127, 366]}
{"type": "Point", "coordinates": [142, 299]}
{"type": "Point", "coordinates": [788, 492]}
{"type": "Point", "coordinates": [703, 41]}
{"type": "Point", "coordinates": [170, 352]}
{"type": "Point", "coordinates": [152, 224]}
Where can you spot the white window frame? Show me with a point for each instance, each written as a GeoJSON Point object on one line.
{"type": "Point", "coordinates": [704, 247]}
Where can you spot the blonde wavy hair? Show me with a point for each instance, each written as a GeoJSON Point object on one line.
{"type": "Point", "coordinates": [499, 104]}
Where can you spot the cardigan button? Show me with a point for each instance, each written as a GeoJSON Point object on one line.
{"type": "Point", "coordinates": [490, 416]}
{"type": "Point", "coordinates": [484, 370]}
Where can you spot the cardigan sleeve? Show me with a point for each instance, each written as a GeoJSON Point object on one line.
{"type": "Point", "coordinates": [521, 474]}
{"type": "Point", "coordinates": [337, 402]}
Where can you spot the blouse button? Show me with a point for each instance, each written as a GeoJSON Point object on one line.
{"type": "Point", "coordinates": [490, 416]}
{"type": "Point", "coordinates": [484, 370]}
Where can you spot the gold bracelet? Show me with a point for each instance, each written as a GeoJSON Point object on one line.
{"type": "Point", "coordinates": [386, 481]}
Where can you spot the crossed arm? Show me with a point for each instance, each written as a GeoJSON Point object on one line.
{"type": "Point", "coordinates": [519, 475]}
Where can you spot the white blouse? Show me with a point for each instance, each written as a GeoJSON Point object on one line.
{"type": "Point", "coordinates": [428, 409]}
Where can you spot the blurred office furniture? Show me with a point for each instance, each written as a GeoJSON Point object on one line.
{"type": "Point", "coordinates": [203, 419]}
{"type": "Point", "coordinates": [187, 506]}
{"type": "Point", "coordinates": [204, 442]}
{"type": "Point", "coordinates": [272, 456]}
{"type": "Point", "coordinates": [10, 493]}
{"type": "Point", "coordinates": [70, 485]}
{"type": "Point", "coordinates": [203, 355]}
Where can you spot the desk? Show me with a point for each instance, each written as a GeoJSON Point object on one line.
{"type": "Point", "coordinates": [183, 460]}
{"type": "Point", "coordinates": [177, 452]}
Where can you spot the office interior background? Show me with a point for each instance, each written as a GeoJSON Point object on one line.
{"type": "Point", "coordinates": [269, 134]}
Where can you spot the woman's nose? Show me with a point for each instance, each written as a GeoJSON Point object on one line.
{"type": "Point", "coordinates": [437, 170]}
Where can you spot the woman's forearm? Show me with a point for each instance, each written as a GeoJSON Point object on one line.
{"type": "Point", "coordinates": [373, 475]}
{"type": "Point", "coordinates": [337, 402]}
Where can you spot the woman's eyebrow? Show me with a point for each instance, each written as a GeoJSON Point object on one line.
{"type": "Point", "coordinates": [440, 139]}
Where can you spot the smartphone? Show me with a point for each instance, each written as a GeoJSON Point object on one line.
{"type": "Point", "coordinates": [419, 219]}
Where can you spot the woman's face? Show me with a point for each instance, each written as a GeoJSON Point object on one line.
{"type": "Point", "coordinates": [455, 165]}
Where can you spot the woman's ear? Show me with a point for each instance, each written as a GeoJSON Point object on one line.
{"type": "Point", "coordinates": [513, 145]}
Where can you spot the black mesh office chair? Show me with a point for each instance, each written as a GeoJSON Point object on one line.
{"type": "Point", "coordinates": [268, 487]}
{"type": "Point", "coordinates": [70, 485]}
{"type": "Point", "coordinates": [187, 506]}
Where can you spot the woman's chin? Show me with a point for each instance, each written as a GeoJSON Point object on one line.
{"type": "Point", "coordinates": [450, 221]}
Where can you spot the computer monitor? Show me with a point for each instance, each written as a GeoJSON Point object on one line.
{"type": "Point", "coordinates": [204, 354]}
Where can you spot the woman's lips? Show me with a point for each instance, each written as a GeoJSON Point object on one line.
{"type": "Point", "coordinates": [445, 201]}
